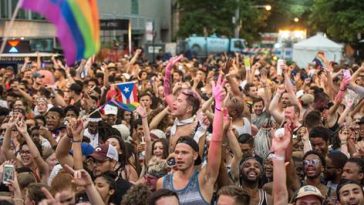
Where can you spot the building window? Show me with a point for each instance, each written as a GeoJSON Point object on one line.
{"type": "Point", "coordinates": [22, 14]}
{"type": "Point", "coordinates": [36, 16]}
{"type": "Point", "coordinates": [4, 9]}
{"type": "Point", "coordinates": [135, 7]}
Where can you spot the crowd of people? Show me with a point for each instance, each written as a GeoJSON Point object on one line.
{"type": "Point", "coordinates": [225, 130]}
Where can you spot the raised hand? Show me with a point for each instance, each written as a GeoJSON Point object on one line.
{"type": "Point", "coordinates": [21, 127]}
{"type": "Point", "coordinates": [218, 91]}
{"type": "Point", "coordinates": [281, 89]}
{"type": "Point", "coordinates": [80, 177]}
{"type": "Point", "coordinates": [75, 127]}
{"type": "Point", "coordinates": [281, 143]}
{"type": "Point", "coordinates": [360, 148]}
{"type": "Point", "coordinates": [344, 135]}
{"type": "Point", "coordinates": [344, 83]}
{"type": "Point", "coordinates": [173, 61]}
{"type": "Point", "coordinates": [141, 111]}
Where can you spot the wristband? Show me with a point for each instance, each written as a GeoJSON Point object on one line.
{"type": "Point", "coordinates": [218, 109]}
{"type": "Point", "coordinates": [277, 157]}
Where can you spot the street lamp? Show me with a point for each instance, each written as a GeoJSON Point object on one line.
{"type": "Point", "coordinates": [266, 7]}
{"type": "Point", "coordinates": [237, 23]}
{"type": "Point", "coordinates": [296, 19]}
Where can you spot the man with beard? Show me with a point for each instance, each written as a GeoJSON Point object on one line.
{"type": "Point", "coordinates": [183, 107]}
{"type": "Point", "coordinates": [105, 159]}
{"type": "Point", "coordinates": [251, 171]}
{"type": "Point", "coordinates": [195, 186]}
{"type": "Point", "coordinates": [313, 166]}
{"type": "Point", "coordinates": [261, 116]}
{"type": "Point", "coordinates": [350, 193]}
{"type": "Point", "coordinates": [335, 162]}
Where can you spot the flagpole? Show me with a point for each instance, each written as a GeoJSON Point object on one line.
{"type": "Point", "coordinates": [96, 110]}
{"type": "Point", "coordinates": [9, 27]}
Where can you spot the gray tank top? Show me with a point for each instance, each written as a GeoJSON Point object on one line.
{"type": "Point", "coordinates": [190, 195]}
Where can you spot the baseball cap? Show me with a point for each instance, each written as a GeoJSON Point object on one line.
{"type": "Point", "coordinates": [110, 110]}
{"type": "Point", "coordinates": [158, 133]}
{"type": "Point", "coordinates": [193, 144]}
{"type": "Point", "coordinates": [105, 151]}
{"type": "Point", "coordinates": [308, 190]}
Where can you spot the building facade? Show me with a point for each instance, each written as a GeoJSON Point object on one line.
{"type": "Point", "coordinates": [40, 34]}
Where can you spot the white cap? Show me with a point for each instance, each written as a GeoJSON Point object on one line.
{"type": "Point", "coordinates": [110, 110]}
{"type": "Point", "coordinates": [158, 133]}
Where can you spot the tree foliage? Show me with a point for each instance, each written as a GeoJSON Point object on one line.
{"type": "Point", "coordinates": [215, 16]}
{"type": "Point", "coordinates": [340, 19]}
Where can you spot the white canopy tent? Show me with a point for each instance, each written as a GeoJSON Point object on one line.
{"type": "Point", "coordinates": [305, 51]}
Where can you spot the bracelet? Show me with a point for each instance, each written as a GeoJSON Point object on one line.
{"type": "Point", "coordinates": [218, 109]}
{"type": "Point", "coordinates": [277, 157]}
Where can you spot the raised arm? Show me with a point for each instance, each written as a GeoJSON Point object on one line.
{"type": "Point", "coordinates": [279, 147]}
{"type": "Point", "coordinates": [63, 148]}
{"type": "Point", "coordinates": [237, 154]}
{"type": "Point", "coordinates": [59, 100]}
{"type": "Point", "coordinates": [343, 136]}
{"type": "Point", "coordinates": [267, 95]}
{"type": "Point", "coordinates": [290, 88]}
{"type": "Point", "coordinates": [83, 179]}
{"type": "Point", "coordinates": [41, 164]}
{"type": "Point", "coordinates": [148, 141]}
{"type": "Point", "coordinates": [7, 139]}
{"type": "Point", "coordinates": [158, 118]}
{"type": "Point", "coordinates": [133, 60]}
{"type": "Point", "coordinates": [76, 127]}
{"type": "Point", "coordinates": [168, 80]}
{"type": "Point", "coordinates": [274, 105]}
{"type": "Point", "coordinates": [214, 153]}
{"type": "Point", "coordinates": [26, 63]}
{"type": "Point", "coordinates": [344, 115]}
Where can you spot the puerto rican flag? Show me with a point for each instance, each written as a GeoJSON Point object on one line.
{"type": "Point", "coordinates": [128, 93]}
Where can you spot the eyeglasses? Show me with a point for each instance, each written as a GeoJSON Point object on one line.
{"type": "Point", "coordinates": [24, 152]}
{"type": "Point", "coordinates": [313, 162]}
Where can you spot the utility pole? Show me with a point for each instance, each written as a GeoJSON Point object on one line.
{"type": "Point", "coordinates": [236, 20]}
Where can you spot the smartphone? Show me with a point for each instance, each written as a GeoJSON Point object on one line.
{"type": "Point", "coordinates": [171, 162]}
{"type": "Point", "coordinates": [8, 173]}
{"type": "Point", "coordinates": [280, 63]}
{"type": "Point", "coordinates": [346, 73]}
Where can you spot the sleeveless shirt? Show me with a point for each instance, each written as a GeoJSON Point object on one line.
{"type": "Point", "coordinates": [189, 195]}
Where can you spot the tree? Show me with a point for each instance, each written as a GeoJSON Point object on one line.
{"type": "Point", "coordinates": [215, 16]}
{"type": "Point", "coordinates": [342, 20]}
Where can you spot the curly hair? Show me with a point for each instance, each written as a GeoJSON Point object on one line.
{"type": "Point", "coordinates": [137, 195]}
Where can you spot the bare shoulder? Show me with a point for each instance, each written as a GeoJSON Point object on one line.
{"type": "Point", "coordinates": [159, 184]}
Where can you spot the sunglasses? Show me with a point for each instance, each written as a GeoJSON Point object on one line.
{"type": "Point", "coordinates": [313, 162]}
{"type": "Point", "coordinates": [190, 93]}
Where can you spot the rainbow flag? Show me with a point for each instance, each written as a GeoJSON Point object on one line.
{"type": "Point", "coordinates": [76, 22]}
